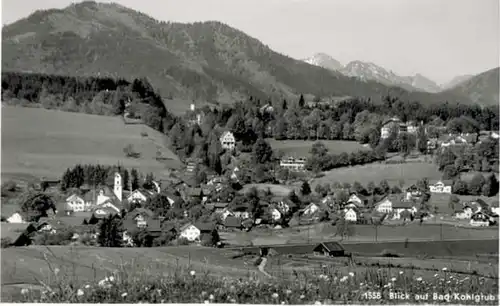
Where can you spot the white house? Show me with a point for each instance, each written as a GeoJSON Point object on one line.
{"type": "Point", "coordinates": [310, 209]}
{"type": "Point", "coordinates": [388, 125]}
{"type": "Point", "coordinates": [15, 218]}
{"type": "Point", "coordinates": [356, 200]}
{"type": "Point", "coordinates": [295, 164]}
{"type": "Point", "coordinates": [77, 203]}
{"type": "Point", "coordinates": [350, 215]}
{"type": "Point", "coordinates": [384, 206]}
{"type": "Point", "coordinates": [465, 213]}
{"type": "Point", "coordinates": [190, 232]}
{"type": "Point", "coordinates": [443, 186]}
{"type": "Point", "coordinates": [242, 214]}
{"type": "Point", "coordinates": [139, 195]}
{"type": "Point", "coordinates": [275, 214]}
{"type": "Point", "coordinates": [226, 213]}
{"type": "Point", "coordinates": [398, 207]}
{"type": "Point", "coordinates": [480, 219]}
{"type": "Point", "coordinates": [227, 140]}
{"type": "Point", "coordinates": [283, 206]}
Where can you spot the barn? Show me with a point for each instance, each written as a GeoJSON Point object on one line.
{"type": "Point", "coordinates": [329, 249]}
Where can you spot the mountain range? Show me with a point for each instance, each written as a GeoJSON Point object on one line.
{"type": "Point", "coordinates": [202, 61]}
{"type": "Point", "coordinates": [371, 71]}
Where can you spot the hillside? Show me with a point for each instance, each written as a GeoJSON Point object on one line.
{"type": "Point", "coordinates": [482, 88]}
{"type": "Point", "coordinates": [55, 140]}
{"type": "Point", "coordinates": [206, 61]}
{"type": "Point", "coordinates": [456, 80]}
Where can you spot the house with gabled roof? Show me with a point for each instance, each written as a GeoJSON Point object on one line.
{"type": "Point", "coordinates": [350, 214]}
{"type": "Point", "coordinates": [440, 186]}
{"type": "Point", "coordinates": [140, 195]}
{"type": "Point", "coordinates": [227, 140]}
{"type": "Point", "coordinates": [193, 232]}
{"type": "Point", "coordinates": [356, 199]}
{"type": "Point", "coordinates": [330, 249]}
{"type": "Point", "coordinates": [310, 209]}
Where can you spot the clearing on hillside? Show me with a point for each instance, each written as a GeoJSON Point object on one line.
{"type": "Point", "coordinates": [43, 142]}
{"type": "Point", "coordinates": [298, 148]}
{"type": "Point", "coordinates": [276, 190]}
{"type": "Point", "coordinates": [410, 173]}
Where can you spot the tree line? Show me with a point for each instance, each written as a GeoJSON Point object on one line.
{"type": "Point", "coordinates": [91, 95]}
{"type": "Point", "coordinates": [101, 175]}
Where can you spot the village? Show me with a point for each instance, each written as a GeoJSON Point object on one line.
{"type": "Point", "coordinates": [218, 211]}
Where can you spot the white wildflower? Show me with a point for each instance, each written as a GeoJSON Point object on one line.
{"type": "Point", "coordinates": [192, 273]}
{"type": "Point", "coordinates": [444, 269]}
{"type": "Point", "coordinates": [288, 291]}
{"type": "Point", "coordinates": [393, 279]}
{"type": "Point", "coordinates": [343, 279]}
{"type": "Point", "coordinates": [24, 291]}
{"type": "Point", "coordinates": [302, 297]}
{"type": "Point", "coordinates": [111, 279]}
{"type": "Point", "coordinates": [275, 295]}
{"type": "Point", "coordinates": [351, 274]}
{"type": "Point", "coordinates": [317, 303]}
{"type": "Point", "coordinates": [211, 297]}
{"type": "Point", "coordinates": [56, 271]}
{"type": "Point", "coordinates": [436, 275]}
{"type": "Point", "coordinates": [282, 302]}
{"type": "Point", "coordinates": [124, 294]}
{"type": "Point", "coordinates": [79, 292]}
{"type": "Point", "coordinates": [87, 286]}
{"type": "Point", "coordinates": [361, 284]}
{"type": "Point", "coordinates": [401, 272]}
{"type": "Point", "coordinates": [419, 279]}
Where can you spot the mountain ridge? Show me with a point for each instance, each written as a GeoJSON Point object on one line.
{"type": "Point", "coordinates": [208, 61]}
{"type": "Point", "coordinates": [370, 71]}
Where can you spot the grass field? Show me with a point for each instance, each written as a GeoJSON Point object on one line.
{"type": "Point", "coordinates": [301, 148]}
{"type": "Point", "coordinates": [276, 190]}
{"type": "Point", "coordinates": [410, 173]}
{"type": "Point", "coordinates": [27, 264]}
{"type": "Point", "coordinates": [39, 142]}
{"type": "Point", "coordinates": [362, 233]}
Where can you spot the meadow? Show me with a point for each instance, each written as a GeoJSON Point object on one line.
{"type": "Point", "coordinates": [410, 173]}
{"type": "Point", "coordinates": [276, 190]}
{"type": "Point", "coordinates": [39, 142]}
{"type": "Point", "coordinates": [181, 282]}
{"type": "Point", "coordinates": [361, 233]}
{"type": "Point", "coordinates": [301, 148]}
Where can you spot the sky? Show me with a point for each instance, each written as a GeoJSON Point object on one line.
{"type": "Point", "coordinates": [440, 39]}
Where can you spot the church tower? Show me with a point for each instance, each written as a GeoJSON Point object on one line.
{"type": "Point", "coordinates": [118, 188]}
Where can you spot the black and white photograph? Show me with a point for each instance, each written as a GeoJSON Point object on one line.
{"type": "Point", "coordinates": [305, 152]}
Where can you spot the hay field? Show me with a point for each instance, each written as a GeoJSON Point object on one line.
{"type": "Point", "coordinates": [301, 148]}
{"type": "Point", "coordinates": [410, 173]}
{"type": "Point", "coordinates": [25, 265]}
{"type": "Point", "coordinates": [41, 142]}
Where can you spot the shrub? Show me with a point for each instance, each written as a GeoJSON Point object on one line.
{"type": "Point", "coordinates": [130, 152]}
{"type": "Point", "coordinates": [389, 253]}
{"type": "Point", "coordinates": [61, 237]}
{"type": "Point", "coordinates": [6, 242]}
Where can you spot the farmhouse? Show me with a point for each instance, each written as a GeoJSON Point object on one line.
{"type": "Point", "coordinates": [350, 215]}
{"type": "Point", "coordinates": [330, 249]}
{"type": "Point", "coordinates": [140, 216]}
{"type": "Point", "coordinates": [464, 213]}
{"type": "Point", "coordinates": [193, 232]}
{"type": "Point", "coordinates": [227, 140]}
{"type": "Point", "coordinates": [310, 209]}
{"type": "Point", "coordinates": [140, 195]}
{"type": "Point", "coordinates": [294, 164]}
{"type": "Point", "coordinates": [275, 213]}
{"type": "Point", "coordinates": [480, 219]}
{"type": "Point", "coordinates": [441, 186]}
{"type": "Point", "coordinates": [392, 124]}
{"type": "Point", "coordinates": [78, 203]}
{"type": "Point", "coordinates": [356, 199]}
{"type": "Point", "coordinates": [402, 209]}
{"type": "Point", "coordinates": [413, 192]}
{"type": "Point", "coordinates": [389, 203]}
